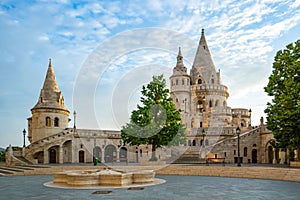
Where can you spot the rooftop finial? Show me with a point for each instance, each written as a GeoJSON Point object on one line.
{"type": "Point", "coordinates": [179, 52]}
{"type": "Point", "coordinates": [50, 63]}
{"type": "Point", "coordinates": [202, 32]}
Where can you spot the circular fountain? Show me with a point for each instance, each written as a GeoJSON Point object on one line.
{"type": "Point", "coordinates": [103, 178]}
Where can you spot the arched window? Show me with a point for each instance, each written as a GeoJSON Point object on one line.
{"type": "Point", "coordinates": [182, 81]}
{"type": "Point", "coordinates": [199, 81]}
{"type": "Point", "coordinates": [212, 81]}
{"type": "Point", "coordinates": [56, 122]}
{"type": "Point", "coordinates": [206, 142]}
{"type": "Point", "coordinates": [141, 153]}
{"type": "Point", "coordinates": [217, 103]}
{"type": "Point", "coordinates": [176, 81]}
{"type": "Point", "coordinates": [245, 152]}
{"type": "Point", "coordinates": [48, 121]}
{"type": "Point", "coordinates": [224, 103]}
{"type": "Point", "coordinates": [194, 142]}
{"type": "Point", "coordinates": [210, 103]}
{"type": "Point", "coordinates": [200, 124]}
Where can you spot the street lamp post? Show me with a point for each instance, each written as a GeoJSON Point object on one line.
{"type": "Point", "coordinates": [250, 111]}
{"type": "Point", "coordinates": [74, 114]}
{"type": "Point", "coordinates": [238, 131]}
{"type": "Point", "coordinates": [24, 134]}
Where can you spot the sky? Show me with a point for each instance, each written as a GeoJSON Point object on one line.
{"type": "Point", "coordinates": [103, 52]}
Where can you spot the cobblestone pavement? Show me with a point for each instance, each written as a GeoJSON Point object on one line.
{"type": "Point", "coordinates": [176, 187]}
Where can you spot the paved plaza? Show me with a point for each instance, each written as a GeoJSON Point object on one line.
{"type": "Point", "coordinates": [176, 187]}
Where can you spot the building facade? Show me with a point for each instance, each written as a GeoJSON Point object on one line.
{"type": "Point", "coordinates": [200, 95]}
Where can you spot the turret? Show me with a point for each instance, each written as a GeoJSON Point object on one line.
{"type": "Point", "coordinates": [49, 115]}
{"type": "Point", "coordinates": [180, 85]}
{"type": "Point", "coordinates": [209, 96]}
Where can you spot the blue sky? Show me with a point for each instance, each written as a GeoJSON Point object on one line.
{"type": "Point", "coordinates": [103, 51]}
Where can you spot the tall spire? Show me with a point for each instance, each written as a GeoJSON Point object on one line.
{"type": "Point", "coordinates": [179, 68]}
{"type": "Point", "coordinates": [203, 59]}
{"type": "Point", "coordinates": [50, 96]}
{"type": "Point", "coordinates": [179, 57]}
{"type": "Point", "coordinates": [50, 84]}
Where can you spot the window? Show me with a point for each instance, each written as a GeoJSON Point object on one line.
{"type": "Point", "coordinates": [48, 121]}
{"type": "Point", "coordinates": [206, 142]}
{"type": "Point", "coordinates": [200, 124]}
{"type": "Point", "coordinates": [210, 103]}
{"type": "Point", "coordinates": [212, 81]}
{"type": "Point", "coordinates": [182, 81]}
{"type": "Point", "coordinates": [245, 152]}
{"type": "Point", "coordinates": [176, 81]}
{"type": "Point", "coordinates": [199, 81]}
{"type": "Point", "coordinates": [234, 152]}
{"type": "Point", "coordinates": [141, 153]}
{"type": "Point", "coordinates": [217, 103]}
{"type": "Point", "coordinates": [56, 122]}
{"type": "Point", "coordinates": [224, 103]}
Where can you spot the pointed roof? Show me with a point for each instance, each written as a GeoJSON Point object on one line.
{"type": "Point", "coordinates": [179, 68]}
{"type": "Point", "coordinates": [203, 58]}
{"type": "Point", "coordinates": [50, 96]}
{"type": "Point", "coordinates": [50, 80]}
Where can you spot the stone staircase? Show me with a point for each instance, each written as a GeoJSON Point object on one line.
{"type": "Point", "coordinates": [191, 156]}
{"type": "Point", "coordinates": [19, 170]}
{"type": "Point", "coordinates": [24, 160]}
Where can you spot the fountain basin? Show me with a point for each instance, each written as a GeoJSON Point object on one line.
{"type": "Point", "coordinates": [78, 178]}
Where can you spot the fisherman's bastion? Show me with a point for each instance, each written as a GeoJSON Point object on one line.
{"type": "Point", "coordinates": [211, 126]}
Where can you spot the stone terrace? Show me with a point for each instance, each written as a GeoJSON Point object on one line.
{"type": "Point", "coordinates": [258, 172]}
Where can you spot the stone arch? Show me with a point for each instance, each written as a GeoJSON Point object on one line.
{"type": "Point", "coordinates": [110, 153]}
{"type": "Point", "coordinates": [254, 156]}
{"type": "Point", "coordinates": [53, 154]}
{"type": "Point", "coordinates": [123, 154]}
{"type": "Point", "coordinates": [67, 151]}
{"type": "Point", "coordinates": [39, 156]}
{"type": "Point", "coordinates": [97, 153]}
{"type": "Point", "coordinates": [81, 156]}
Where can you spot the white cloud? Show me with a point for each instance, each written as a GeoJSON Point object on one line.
{"type": "Point", "coordinates": [295, 4]}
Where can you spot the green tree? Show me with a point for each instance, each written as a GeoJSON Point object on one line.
{"type": "Point", "coordinates": [283, 113]}
{"type": "Point", "coordinates": [156, 121]}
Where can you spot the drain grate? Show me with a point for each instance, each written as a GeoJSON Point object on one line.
{"type": "Point", "coordinates": [102, 192]}
{"type": "Point", "coordinates": [136, 188]}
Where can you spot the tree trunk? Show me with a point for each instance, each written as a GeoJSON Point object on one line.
{"type": "Point", "coordinates": [154, 143]}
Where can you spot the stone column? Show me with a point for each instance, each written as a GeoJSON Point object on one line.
{"type": "Point", "coordinates": [46, 156]}
{"type": "Point", "coordinates": [60, 154]}
{"type": "Point", "coordinates": [274, 156]}
{"type": "Point", "coordinates": [282, 155]}
{"type": "Point", "coordinates": [297, 155]}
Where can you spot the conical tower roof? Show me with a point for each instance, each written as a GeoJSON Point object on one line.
{"type": "Point", "coordinates": [50, 96]}
{"type": "Point", "coordinates": [203, 62]}
{"type": "Point", "coordinates": [179, 68]}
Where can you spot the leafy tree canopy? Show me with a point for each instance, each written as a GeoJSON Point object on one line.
{"type": "Point", "coordinates": [156, 121]}
{"type": "Point", "coordinates": [284, 86]}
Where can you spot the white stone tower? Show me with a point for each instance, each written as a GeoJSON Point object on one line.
{"type": "Point", "coordinates": [208, 95]}
{"type": "Point", "coordinates": [49, 115]}
{"type": "Point", "coordinates": [180, 89]}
